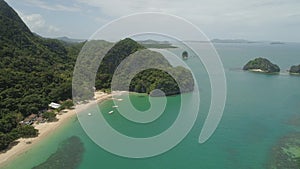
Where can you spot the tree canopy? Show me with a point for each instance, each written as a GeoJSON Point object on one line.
{"type": "Point", "coordinates": [262, 64]}
{"type": "Point", "coordinates": [161, 74]}
{"type": "Point", "coordinates": [295, 69]}
{"type": "Point", "coordinates": [34, 71]}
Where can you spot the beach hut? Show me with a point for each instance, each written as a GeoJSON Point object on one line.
{"type": "Point", "coordinates": [54, 105]}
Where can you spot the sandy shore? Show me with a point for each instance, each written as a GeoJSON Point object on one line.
{"type": "Point", "coordinates": [45, 129]}
{"type": "Point", "coordinates": [257, 70]}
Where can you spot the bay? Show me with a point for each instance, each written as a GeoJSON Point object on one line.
{"type": "Point", "coordinates": [256, 116]}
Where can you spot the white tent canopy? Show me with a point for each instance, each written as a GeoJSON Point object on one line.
{"type": "Point", "coordinates": [54, 105]}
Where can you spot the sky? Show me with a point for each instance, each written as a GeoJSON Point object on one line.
{"type": "Point", "coordinates": [273, 20]}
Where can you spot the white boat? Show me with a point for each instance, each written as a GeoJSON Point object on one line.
{"type": "Point", "coordinates": [89, 114]}
{"type": "Point", "coordinates": [110, 112]}
{"type": "Point", "coordinates": [119, 99]}
{"type": "Point", "coordinates": [115, 106]}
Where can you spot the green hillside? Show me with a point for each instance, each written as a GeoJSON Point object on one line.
{"type": "Point", "coordinates": [161, 75]}
{"type": "Point", "coordinates": [33, 72]}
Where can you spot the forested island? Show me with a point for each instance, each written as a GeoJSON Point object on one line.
{"type": "Point", "coordinates": [35, 71]}
{"type": "Point", "coordinates": [261, 65]}
{"type": "Point", "coordinates": [144, 81]}
{"type": "Point", "coordinates": [295, 69]}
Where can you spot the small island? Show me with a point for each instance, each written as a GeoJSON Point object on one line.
{"type": "Point", "coordinates": [185, 55]}
{"type": "Point", "coordinates": [295, 70]}
{"type": "Point", "coordinates": [262, 65]}
{"type": "Point", "coordinates": [276, 43]}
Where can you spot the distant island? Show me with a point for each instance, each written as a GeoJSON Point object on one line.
{"type": "Point", "coordinates": [277, 43]}
{"type": "Point", "coordinates": [262, 65]}
{"type": "Point", "coordinates": [295, 70]}
{"type": "Point", "coordinates": [231, 41]}
{"type": "Point", "coordinates": [156, 44]}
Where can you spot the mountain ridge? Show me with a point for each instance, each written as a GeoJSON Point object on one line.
{"type": "Point", "coordinates": [34, 71]}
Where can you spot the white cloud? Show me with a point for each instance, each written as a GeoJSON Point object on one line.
{"type": "Point", "coordinates": [37, 24]}
{"type": "Point", "coordinates": [34, 21]}
{"type": "Point", "coordinates": [53, 7]}
{"type": "Point", "coordinates": [249, 19]}
{"type": "Point", "coordinates": [53, 29]}
{"type": "Point", "coordinates": [240, 17]}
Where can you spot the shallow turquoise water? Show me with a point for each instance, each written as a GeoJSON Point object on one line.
{"type": "Point", "coordinates": [257, 110]}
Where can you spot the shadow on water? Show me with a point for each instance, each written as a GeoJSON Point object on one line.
{"type": "Point", "coordinates": [68, 155]}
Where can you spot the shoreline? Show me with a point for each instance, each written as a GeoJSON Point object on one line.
{"type": "Point", "coordinates": [45, 129]}
{"type": "Point", "coordinates": [294, 74]}
{"type": "Point", "coordinates": [263, 71]}
{"type": "Point", "coordinates": [257, 70]}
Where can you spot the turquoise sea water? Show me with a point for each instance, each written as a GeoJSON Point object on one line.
{"type": "Point", "coordinates": [256, 116]}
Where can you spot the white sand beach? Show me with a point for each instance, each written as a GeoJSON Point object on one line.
{"type": "Point", "coordinates": [45, 129]}
{"type": "Point", "coordinates": [257, 70]}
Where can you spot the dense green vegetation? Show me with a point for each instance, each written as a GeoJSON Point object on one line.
{"type": "Point", "coordinates": [10, 130]}
{"type": "Point", "coordinates": [86, 70]}
{"type": "Point", "coordinates": [150, 79]}
{"type": "Point", "coordinates": [50, 116]}
{"type": "Point", "coordinates": [112, 59]}
{"type": "Point", "coordinates": [34, 71]}
{"type": "Point", "coordinates": [295, 69]}
{"type": "Point", "coordinates": [263, 64]}
{"type": "Point", "coordinates": [161, 75]}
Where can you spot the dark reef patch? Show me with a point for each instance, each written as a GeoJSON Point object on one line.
{"type": "Point", "coordinates": [286, 153]}
{"type": "Point", "coordinates": [68, 155]}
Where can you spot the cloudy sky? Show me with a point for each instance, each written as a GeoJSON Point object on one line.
{"type": "Point", "coordinates": [276, 20]}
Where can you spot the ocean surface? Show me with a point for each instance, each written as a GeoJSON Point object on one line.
{"type": "Point", "coordinates": [257, 114]}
